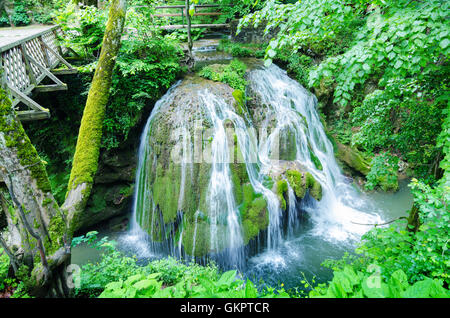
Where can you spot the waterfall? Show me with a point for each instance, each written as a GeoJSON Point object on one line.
{"type": "Point", "coordinates": [289, 112]}
{"type": "Point", "coordinates": [294, 108]}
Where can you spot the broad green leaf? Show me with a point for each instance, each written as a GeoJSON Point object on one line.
{"type": "Point", "coordinates": [267, 62]}
{"type": "Point", "coordinates": [250, 290]}
{"type": "Point", "coordinates": [271, 53]}
{"type": "Point", "coordinates": [227, 278]}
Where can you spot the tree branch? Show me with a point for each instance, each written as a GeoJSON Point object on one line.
{"type": "Point", "coordinates": [40, 246]}
{"type": "Point", "coordinates": [377, 224]}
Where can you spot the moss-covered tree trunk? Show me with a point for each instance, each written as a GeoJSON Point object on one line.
{"type": "Point", "coordinates": [87, 151]}
{"type": "Point", "coordinates": [41, 248]}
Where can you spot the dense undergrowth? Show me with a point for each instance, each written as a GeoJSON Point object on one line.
{"type": "Point", "coordinates": [120, 276]}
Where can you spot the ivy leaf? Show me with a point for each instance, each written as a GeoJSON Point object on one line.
{"type": "Point", "coordinates": [444, 43]}
{"type": "Point", "coordinates": [271, 53]}
{"type": "Point", "coordinates": [398, 64]}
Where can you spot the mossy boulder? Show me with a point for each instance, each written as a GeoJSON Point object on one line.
{"type": "Point", "coordinates": [352, 158]}
{"type": "Point", "coordinates": [178, 185]}
{"type": "Point", "coordinates": [301, 182]}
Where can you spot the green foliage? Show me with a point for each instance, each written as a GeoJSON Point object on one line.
{"type": "Point", "coordinates": [119, 276]}
{"type": "Point", "coordinates": [239, 8]}
{"type": "Point", "coordinates": [4, 267]}
{"type": "Point", "coordinates": [341, 130]}
{"type": "Point", "coordinates": [386, 59]}
{"type": "Point", "coordinates": [228, 285]}
{"type": "Point", "coordinates": [394, 117]}
{"type": "Point", "coordinates": [114, 266]}
{"type": "Point", "coordinates": [145, 70]}
{"type": "Point", "coordinates": [297, 64]}
{"type": "Point", "coordinates": [4, 19]}
{"type": "Point", "coordinates": [20, 16]}
{"type": "Point", "coordinates": [383, 172]}
{"type": "Point", "coordinates": [348, 283]}
{"type": "Point", "coordinates": [420, 255]}
{"type": "Point", "coordinates": [84, 29]}
{"type": "Point", "coordinates": [232, 74]}
{"type": "Point", "coordinates": [241, 50]}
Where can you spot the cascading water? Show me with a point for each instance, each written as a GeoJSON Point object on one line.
{"type": "Point", "coordinates": [294, 108]}
{"type": "Point", "coordinates": [289, 110]}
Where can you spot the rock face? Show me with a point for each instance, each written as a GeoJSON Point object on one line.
{"type": "Point", "coordinates": [186, 193]}
{"type": "Point", "coordinates": [179, 171]}
{"type": "Point", "coordinates": [113, 186]}
{"type": "Point", "coordinates": [352, 158]}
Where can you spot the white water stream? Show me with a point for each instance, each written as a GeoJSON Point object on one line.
{"type": "Point", "coordinates": [288, 107]}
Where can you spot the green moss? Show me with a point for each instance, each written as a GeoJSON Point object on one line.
{"type": "Point", "coordinates": [254, 218]}
{"type": "Point", "coordinates": [300, 183]}
{"type": "Point", "coordinates": [98, 202]}
{"type": "Point", "coordinates": [295, 179]}
{"type": "Point", "coordinates": [239, 97]}
{"type": "Point", "coordinates": [288, 145]}
{"type": "Point", "coordinates": [353, 158]}
{"type": "Point", "coordinates": [314, 186]}
{"type": "Point", "coordinates": [57, 230]}
{"type": "Point", "coordinates": [316, 191]}
{"type": "Point", "coordinates": [202, 238]}
{"type": "Point", "coordinates": [251, 205]}
{"type": "Point", "coordinates": [315, 159]}
{"type": "Point", "coordinates": [16, 137]}
{"type": "Point", "coordinates": [281, 189]}
{"type": "Point", "coordinates": [46, 201]}
{"type": "Point", "coordinates": [85, 161]}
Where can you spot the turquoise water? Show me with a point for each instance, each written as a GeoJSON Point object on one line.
{"type": "Point", "coordinates": [302, 254]}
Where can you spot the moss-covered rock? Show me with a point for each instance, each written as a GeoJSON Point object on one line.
{"type": "Point", "coordinates": [352, 158]}
{"type": "Point", "coordinates": [176, 187]}
{"type": "Point", "coordinates": [300, 183]}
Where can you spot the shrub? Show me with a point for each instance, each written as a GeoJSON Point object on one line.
{"type": "Point", "coordinates": [383, 172]}
{"type": "Point", "coordinates": [232, 74]}
{"type": "Point", "coordinates": [4, 267]}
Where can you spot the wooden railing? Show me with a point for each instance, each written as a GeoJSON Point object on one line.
{"type": "Point", "coordinates": [184, 16]}
{"type": "Point", "coordinates": [26, 62]}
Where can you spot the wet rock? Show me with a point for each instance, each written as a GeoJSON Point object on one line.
{"type": "Point", "coordinates": [352, 158]}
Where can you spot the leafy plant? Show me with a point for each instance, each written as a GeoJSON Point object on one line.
{"type": "Point", "coordinates": [84, 29]}
{"type": "Point", "coordinates": [383, 172]}
{"type": "Point", "coordinates": [348, 283]}
{"type": "Point", "coordinates": [384, 65]}
{"type": "Point", "coordinates": [148, 286]}
{"type": "Point", "coordinates": [4, 267]}
{"type": "Point", "coordinates": [232, 74]}
{"type": "Point", "coordinates": [241, 50]}
{"type": "Point", "coordinates": [20, 16]}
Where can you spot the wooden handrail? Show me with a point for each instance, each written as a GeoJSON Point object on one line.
{"type": "Point", "coordinates": [183, 6]}
{"type": "Point", "coordinates": [195, 14]}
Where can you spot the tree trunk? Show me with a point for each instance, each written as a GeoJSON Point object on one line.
{"type": "Point", "coordinates": [413, 219]}
{"type": "Point", "coordinates": [36, 217]}
{"type": "Point", "coordinates": [85, 162]}
{"type": "Point", "coordinates": [41, 250]}
{"type": "Point", "coordinates": [188, 17]}
{"type": "Point", "coordinates": [190, 59]}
